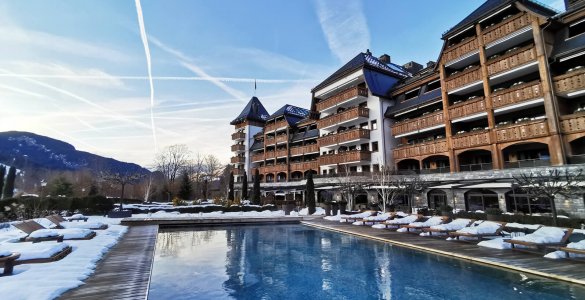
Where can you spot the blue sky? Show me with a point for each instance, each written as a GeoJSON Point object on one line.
{"type": "Point", "coordinates": [77, 70]}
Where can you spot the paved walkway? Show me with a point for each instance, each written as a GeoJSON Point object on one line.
{"type": "Point", "coordinates": [124, 273]}
{"type": "Point", "coordinates": [567, 270]}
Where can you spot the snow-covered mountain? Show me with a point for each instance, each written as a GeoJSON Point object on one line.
{"type": "Point", "coordinates": [26, 150]}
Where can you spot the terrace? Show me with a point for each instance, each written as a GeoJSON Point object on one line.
{"type": "Point", "coordinates": [342, 97]}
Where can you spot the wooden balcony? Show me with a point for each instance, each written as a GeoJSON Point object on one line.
{"type": "Point", "coordinates": [517, 94]}
{"type": "Point", "coordinates": [471, 139]}
{"type": "Point", "coordinates": [304, 166]}
{"type": "Point", "coordinates": [573, 123]}
{"type": "Point", "coordinates": [269, 141]}
{"type": "Point", "coordinates": [511, 60]}
{"type": "Point", "coordinates": [282, 153]}
{"type": "Point", "coordinates": [238, 148]}
{"type": "Point", "coordinates": [419, 123]}
{"type": "Point", "coordinates": [274, 169]}
{"type": "Point", "coordinates": [570, 82]}
{"type": "Point", "coordinates": [467, 108]}
{"type": "Point", "coordinates": [344, 137]}
{"type": "Point", "coordinates": [283, 138]}
{"type": "Point", "coordinates": [258, 157]}
{"type": "Point", "coordinates": [238, 136]}
{"type": "Point", "coordinates": [462, 79]}
{"type": "Point", "coordinates": [522, 131]}
{"type": "Point", "coordinates": [343, 117]}
{"type": "Point", "coordinates": [506, 27]}
{"type": "Point", "coordinates": [456, 51]}
{"type": "Point", "coordinates": [344, 158]}
{"type": "Point", "coordinates": [428, 148]}
{"type": "Point", "coordinates": [238, 160]}
{"type": "Point", "coordinates": [238, 172]}
{"type": "Point", "coordinates": [342, 97]}
{"type": "Point", "coordinates": [314, 148]}
{"type": "Point", "coordinates": [271, 126]}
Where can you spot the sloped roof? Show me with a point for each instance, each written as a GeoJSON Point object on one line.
{"type": "Point", "coordinates": [364, 60]}
{"type": "Point", "coordinates": [292, 114]}
{"type": "Point", "coordinates": [491, 6]}
{"type": "Point", "coordinates": [254, 111]}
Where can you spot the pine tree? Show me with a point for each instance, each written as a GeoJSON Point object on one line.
{"type": "Point", "coordinates": [186, 188]}
{"type": "Point", "coordinates": [245, 186]}
{"type": "Point", "coordinates": [310, 193]}
{"type": "Point", "coordinates": [9, 185]}
{"type": "Point", "coordinates": [256, 189]}
{"type": "Point", "coordinates": [231, 187]}
{"type": "Point", "coordinates": [2, 174]}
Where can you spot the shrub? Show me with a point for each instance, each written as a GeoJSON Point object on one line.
{"type": "Point", "coordinates": [493, 211]}
{"type": "Point", "coordinates": [423, 211]}
{"type": "Point", "coordinates": [179, 202]}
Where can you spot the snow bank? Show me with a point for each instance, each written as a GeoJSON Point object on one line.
{"type": "Point", "coordinates": [497, 243]}
{"type": "Point", "coordinates": [543, 235]}
{"type": "Point", "coordinates": [379, 226]}
{"type": "Point", "coordinates": [4, 253]}
{"type": "Point", "coordinates": [319, 211]}
{"type": "Point", "coordinates": [29, 250]}
{"type": "Point", "coordinates": [344, 218]}
{"type": "Point", "coordinates": [433, 221]}
{"type": "Point", "coordinates": [483, 228]}
{"type": "Point", "coordinates": [456, 224]}
{"type": "Point", "coordinates": [380, 217]}
{"type": "Point", "coordinates": [403, 221]}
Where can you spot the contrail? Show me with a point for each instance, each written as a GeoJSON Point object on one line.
{"type": "Point", "coordinates": [161, 78]}
{"type": "Point", "coordinates": [149, 67]}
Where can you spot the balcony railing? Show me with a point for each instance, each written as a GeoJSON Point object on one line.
{"type": "Point", "coordinates": [283, 138]}
{"type": "Point", "coordinates": [274, 169]}
{"type": "Point", "coordinates": [576, 159]}
{"type": "Point", "coordinates": [269, 141]}
{"type": "Point", "coordinates": [342, 97]}
{"type": "Point", "coordinates": [350, 114]}
{"type": "Point", "coordinates": [304, 166]}
{"type": "Point", "coordinates": [476, 167]}
{"type": "Point", "coordinates": [313, 148]}
{"type": "Point", "coordinates": [258, 157]}
{"type": "Point", "coordinates": [419, 123]}
{"type": "Point", "coordinates": [238, 160]}
{"type": "Point", "coordinates": [517, 94]}
{"type": "Point", "coordinates": [471, 139]}
{"type": "Point", "coordinates": [464, 78]}
{"type": "Point", "coordinates": [271, 126]}
{"type": "Point", "coordinates": [456, 51]}
{"type": "Point", "coordinates": [527, 163]}
{"type": "Point", "coordinates": [570, 82]}
{"type": "Point", "coordinates": [420, 149]}
{"type": "Point", "coordinates": [282, 153]}
{"type": "Point", "coordinates": [435, 170]}
{"type": "Point", "coordinates": [344, 137]}
{"type": "Point", "coordinates": [238, 147]}
{"type": "Point", "coordinates": [344, 157]}
{"type": "Point", "coordinates": [573, 123]}
{"type": "Point", "coordinates": [467, 108]}
{"type": "Point", "coordinates": [238, 136]}
{"type": "Point", "coordinates": [238, 172]}
{"type": "Point", "coordinates": [506, 27]}
{"type": "Point", "coordinates": [522, 131]}
{"type": "Point", "coordinates": [512, 60]}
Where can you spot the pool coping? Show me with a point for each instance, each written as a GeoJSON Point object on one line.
{"type": "Point", "coordinates": [199, 221]}
{"type": "Point", "coordinates": [449, 254]}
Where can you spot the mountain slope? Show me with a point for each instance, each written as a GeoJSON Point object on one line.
{"type": "Point", "coordinates": [29, 150]}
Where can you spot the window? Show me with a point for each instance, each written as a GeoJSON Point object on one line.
{"type": "Point", "coordinates": [411, 94]}
{"type": "Point", "coordinates": [577, 28]}
{"type": "Point", "coordinates": [374, 125]}
{"type": "Point", "coordinates": [374, 146]}
{"type": "Point", "coordinates": [365, 168]}
{"type": "Point", "coordinates": [433, 85]}
{"type": "Point", "coordinates": [364, 125]}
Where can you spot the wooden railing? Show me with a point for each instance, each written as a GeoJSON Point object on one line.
{"type": "Point", "coordinates": [573, 123]}
{"type": "Point", "coordinates": [506, 27]}
{"type": "Point", "coordinates": [464, 78]}
{"type": "Point", "coordinates": [258, 157]}
{"type": "Point", "coordinates": [304, 166]}
{"type": "Point", "coordinates": [304, 149]}
{"type": "Point", "coordinates": [570, 82]}
{"type": "Point", "coordinates": [517, 94]}
{"type": "Point", "coordinates": [271, 126]}
{"type": "Point", "coordinates": [346, 136]}
{"type": "Point", "coordinates": [238, 147]}
{"type": "Point", "coordinates": [282, 153]}
{"type": "Point", "coordinates": [522, 131]}
{"type": "Point", "coordinates": [347, 115]}
{"type": "Point", "coordinates": [433, 147]}
{"type": "Point", "coordinates": [283, 138]}
{"type": "Point", "coordinates": [238, 171]}
{"type": "Point", "coordinates": [274, 169]}
{"type": "Point", "coordinates": [344, 157]}
{"type": "Point", "coordinates": [471, 139]}
{"type": "Point", "coordinates": [467, 108]}
{"type": "Point", "coordinates": [269, 141]}
{"type": "Point", "coordinates": [456, 51]}
{"type": "Point", "coordinates": [238, 160]}
{"type": "Point", "coordinates": [422, 122]}
{"type": "Point", "coordinates": [512, 60]}
{"type": "Point", "coordinates": [341, 97]}
{"type": "Point", "coordinates": [238, 135]}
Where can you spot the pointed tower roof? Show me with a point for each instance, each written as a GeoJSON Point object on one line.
{"type": "Point", "coordinates": [254, 111]}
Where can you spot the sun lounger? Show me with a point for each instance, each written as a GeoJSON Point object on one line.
{"type": "Point", "coordinates": [574, 248]}
{"type": "Point", "coordinates": [396, 223]}
{"type": "Point", "coordinates": [7, 262]}
{"type": "Point", "coordinates": [371, 220]}
{"type": "Point", "coordinates": [75, 217]}
{"type": "Point", "coordinates": [484, 229]}
{"type": "Point", "coordinates": [543, 238]}
{"type": "Point", "coordinates": [37, 233]}
{"type": "Point", "coordinates": [59, 222]}
{"type": "Point", "coordinates": [433, 221]}
{"type": "Point", "coordinates": [450, 227]}
{"type": "Point", "coordinates": [34, 253]}
{"type": "Point", "coordinates": [356, 217]}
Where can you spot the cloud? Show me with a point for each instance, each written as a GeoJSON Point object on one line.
{"type": "Point", "coordinates": [345, 28]}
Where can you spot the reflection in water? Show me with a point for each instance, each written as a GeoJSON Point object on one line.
{"type": "Point", "coordinates": [298, 262]}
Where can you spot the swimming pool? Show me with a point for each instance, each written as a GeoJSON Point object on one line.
{"type": "Point", "coordinates": [300, 262]}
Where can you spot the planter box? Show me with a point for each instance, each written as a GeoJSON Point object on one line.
{"type": "Point", "coordinates": [119, 214]}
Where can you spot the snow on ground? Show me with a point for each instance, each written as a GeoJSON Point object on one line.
{"type": "Point", "coordinates": [403, 221]}
{"type": "Point", "coordinates": [72, 233]}
{"type": "Point", "coordinates": [561, 254]}
{"type": "Point", "coordinates": [453, 225]}
{"type": "Point", "coordinates": [433, 221]}
{"type": "Point", "coordinates": [217, 214]}
{"type": "Point", "coordinates": [497, 243]}
{"type": "Point", "coordinates": [319, 211]}
{"type": "Point", "coordinates": [49, 280]}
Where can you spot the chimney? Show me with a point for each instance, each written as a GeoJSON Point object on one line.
{"type": "Point", "coordinates": [385, 58]}
{"type": "Point", "coordinates": [412, 67]}
{"type": "Point", "coordinates": [430, 64]}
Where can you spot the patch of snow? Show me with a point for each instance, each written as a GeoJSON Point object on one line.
{"type": "Point", "coordinates": [433, 221]}
{"type": "Point", "coordinates": [336, 218]}
{"type": "Point", "coordinates": [543, 235]}
{"type": "Point", "coordinates": [403, 221]}
{"type": "Point", "coordinates": [359, 223]}
{"type": "Point", "coordinates": [319, 211]}
{"type": "Point", "coordinates": [72, 233]}
{"type": "Point", "coordinates": [380, 217]}
{"type": "Point", "coordinates": [29, 250]}
{"type": "Point", "coordinates": [4, 253]}
{"type": "Point", "coordinates": [359, 215]}
{"type": "Point", "coordinates": [401, 230]}
{"type": "Point", "coordinates": [497, 243]}
{"type": "Point", "coordinates": [556, 255]}
{"type": "Point", "coordinates": [483, 228]}
{"type": "Point", "coordinates": [453, 225]}
{"type": "Point", "coordinates": [379, 226]}
{"type": "Point", "coordinates": [523, 226]}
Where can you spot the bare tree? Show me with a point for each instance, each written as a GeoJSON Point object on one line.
{"type": "Point", "coordinates": [410, 186]}
{"type": "Point", "coordinates": [172, 160]}
{"type": "Point", "coordinates": [350, 185]}
{"type": "Point", "coordinates": [122, 179]}
{"type": "Point", "coordinates": [387, 185]}
{"type": "Point", "coordinates": [549, 184]}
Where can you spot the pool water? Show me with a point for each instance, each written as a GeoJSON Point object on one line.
{"type": "Point", "coordinates": [300, 262]}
